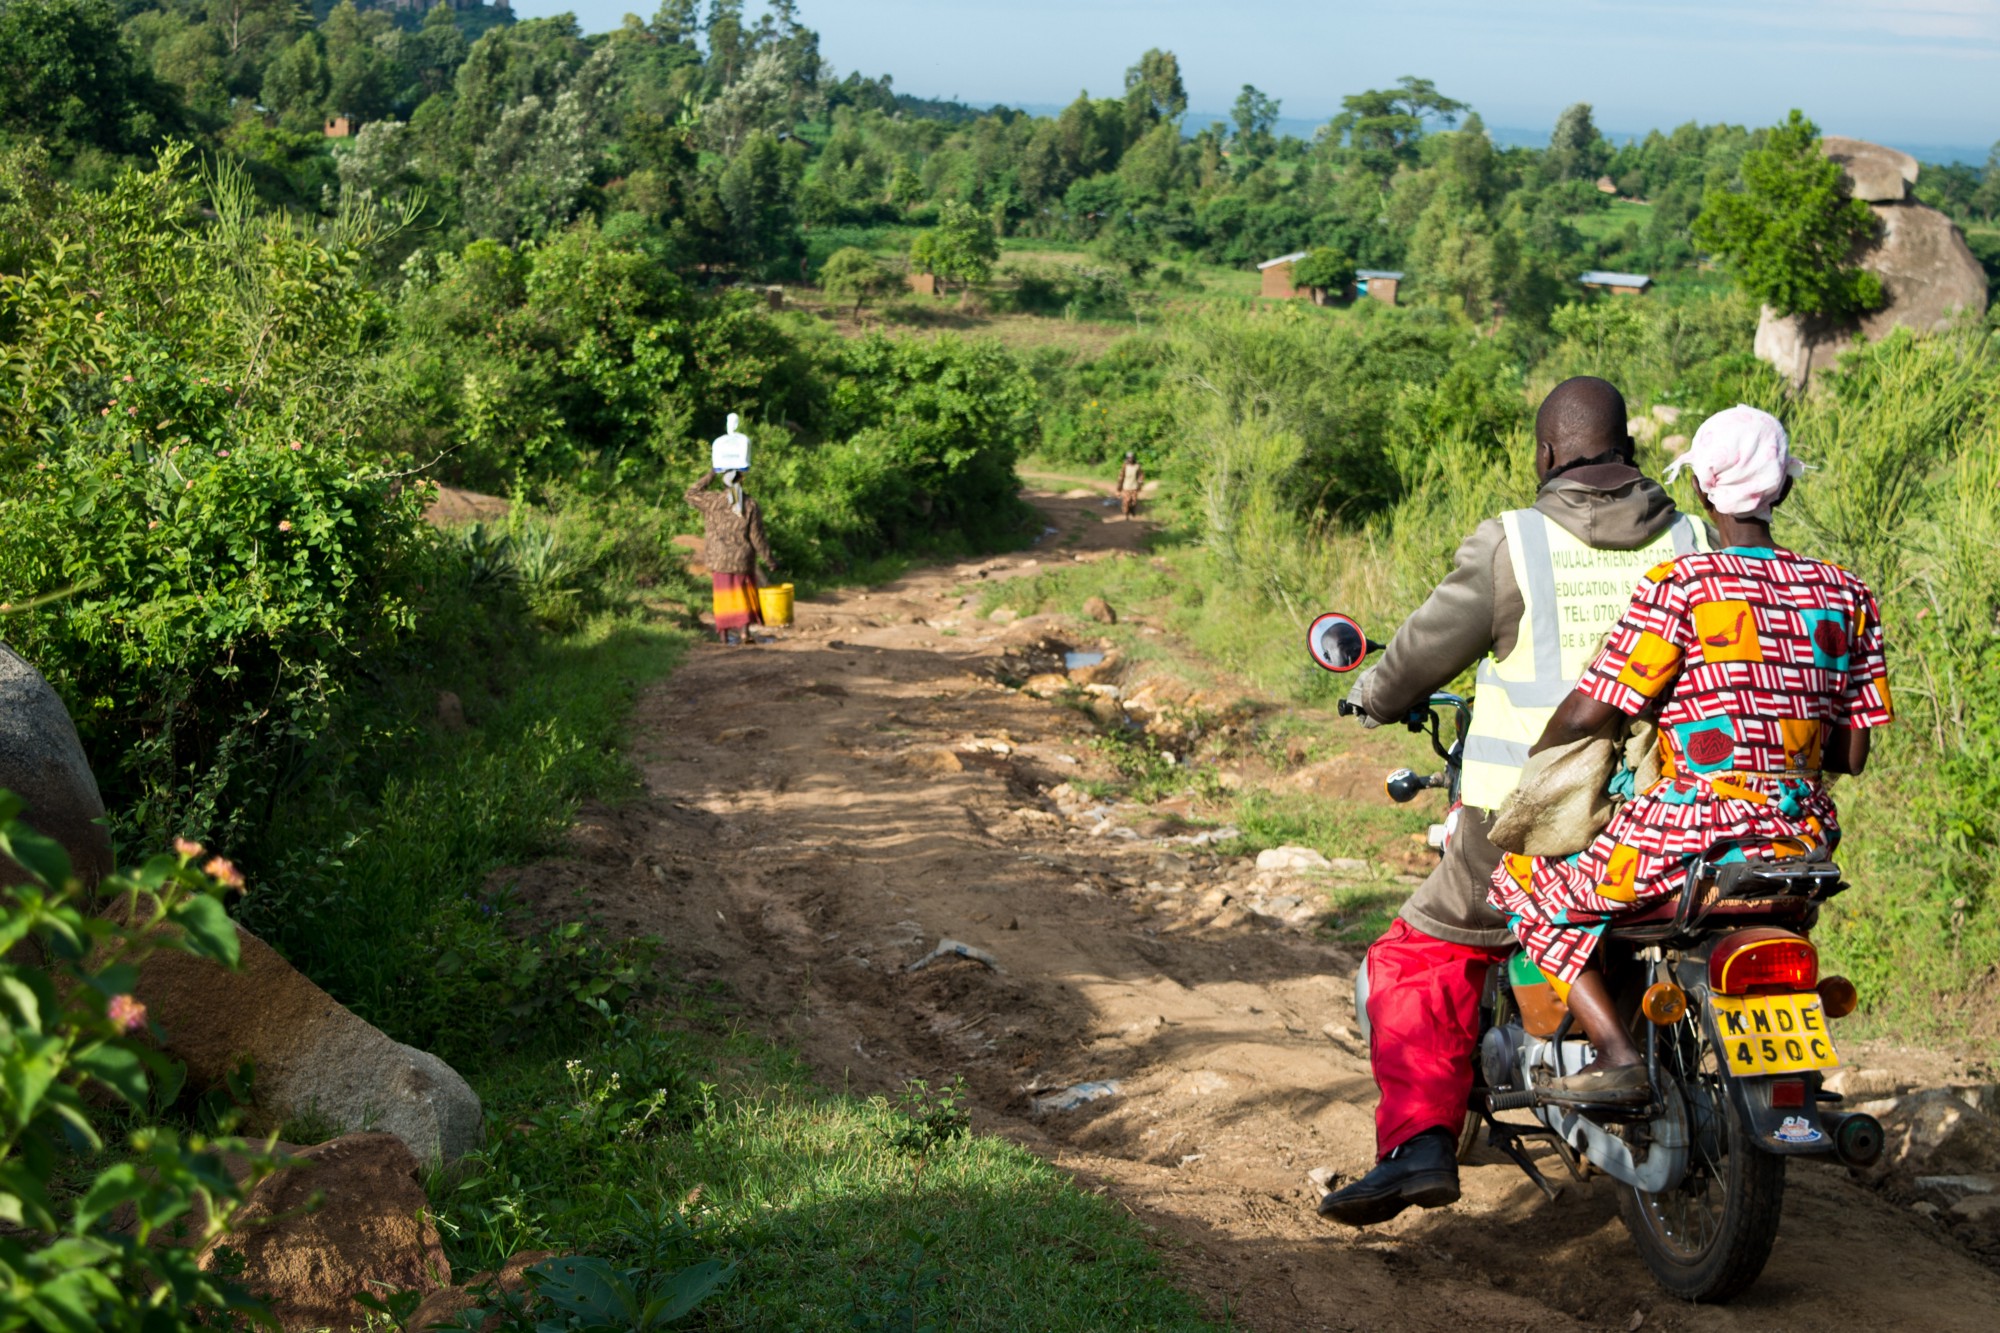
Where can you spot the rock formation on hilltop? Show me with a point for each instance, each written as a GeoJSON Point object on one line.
{"type": "Point", "coordinates": [1928, 274]}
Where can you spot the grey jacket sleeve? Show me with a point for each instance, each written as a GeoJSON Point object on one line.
{"type": "Point", "coordinates": [1452, 629]}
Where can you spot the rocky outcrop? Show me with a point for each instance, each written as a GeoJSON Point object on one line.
{"type": "Point", "coordinates": [371, 1232]}
{"type": "Point", "coordinates": [42, 762]}
{"type": "Point", "coordinates": [1877, 175]}
{"type": "Point", "coordinates": [1929, 276]}
{"type": "Point", "coordinates": [309, 1054]}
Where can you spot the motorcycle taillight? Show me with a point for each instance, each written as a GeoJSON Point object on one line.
{"type": "Point", "coordinates": [1762, 960]}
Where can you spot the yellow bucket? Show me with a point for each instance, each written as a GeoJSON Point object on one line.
{"type": "Point", "coordinates": [775, 601]}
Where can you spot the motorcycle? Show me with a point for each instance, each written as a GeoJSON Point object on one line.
{"type": "Point", "coordinates": [1722, 989]}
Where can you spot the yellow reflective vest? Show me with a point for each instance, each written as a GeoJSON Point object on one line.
{"type": "Point", "coordinates": [1571, 596]}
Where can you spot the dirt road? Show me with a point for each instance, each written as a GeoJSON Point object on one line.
{"type": "Point", "coordinates": [821, 811]}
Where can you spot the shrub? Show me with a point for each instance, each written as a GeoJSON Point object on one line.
{"type": "Point", "coordinates": [1326, 269]}
{"type": "Point", "coordinates": [201, 543]}
{"type": "Point", "coordinates": [852, 274]}
{"type": "Point", "coordinates": [73, 1045]}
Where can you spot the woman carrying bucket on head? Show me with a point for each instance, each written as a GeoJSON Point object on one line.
{"type": "Point", "coordinates": [734, 529]}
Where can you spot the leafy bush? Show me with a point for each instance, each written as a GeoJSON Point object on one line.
{"type": "Point", "coordinates": [852, 274]}
{"type": "Point", "coordinates": [73, 1044]}
{"type": "Point", "coordinates": [922, 439]}
{"type": "Point", "coordinates": [578, 359]}
{"type": "Point", "coordinates": [1327, 269]}
{"type": "Point", "coordinates": [213, 543]}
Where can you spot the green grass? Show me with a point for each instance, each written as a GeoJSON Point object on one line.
{"type": "Point", "coordinates": [841, 1211]}
{"type": "Point", "coordinates": [376, 889]}
{"type": "Point", "coordinates": [1600, 224]}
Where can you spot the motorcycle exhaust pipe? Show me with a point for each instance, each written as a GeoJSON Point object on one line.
{"type": "Point", "coordinates": [1857, 1138]}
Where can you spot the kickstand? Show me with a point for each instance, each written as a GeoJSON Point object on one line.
{"type": "Point", "coordinates": [1508, 1140]}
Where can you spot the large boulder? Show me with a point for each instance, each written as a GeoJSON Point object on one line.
{"type": "Point", "coordinates": [1929, 276]}
{"type": "Point", "coordinates": [370, 1232]}
{"type": "Point", "coordinates": [310, 1056]}
{"type": "Point", "coordinates": [1938, 1132]}
{"type": "Point", "coordinates": [42, 762]}
{"type": "Point", "coordinates": [1876, 174]}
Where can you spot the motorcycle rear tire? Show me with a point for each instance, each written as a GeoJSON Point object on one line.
{"type": "Point", "coordinates": [1701, 1249]}
{"type": "Point", "coordinates": [1468, 1136]}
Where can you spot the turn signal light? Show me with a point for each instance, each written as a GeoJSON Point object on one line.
{"type": "Point", "coordinates": [1664, 1003]}
{"type": "Point", "coordinates": [1838, 997]}
{"type": "Point", "coordinates": [1764, 960]}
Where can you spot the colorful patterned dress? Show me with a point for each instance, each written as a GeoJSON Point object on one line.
{"type": "Point", "coordinates": [1754, 657]}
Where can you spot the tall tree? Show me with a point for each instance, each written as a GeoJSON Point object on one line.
{"type": "Point", "coordinates": [1792, 231]}
{"type": "Point", "coordinates": [1384, 125]}
{"type": "Point", "coordinates": [962, 246]}
{"type": "Point", "coordinates": [728, 44]}
{"type": "Point", "coordinates": [298, 81]}
{"type": "Point", "coordinates": [1576, 150]}
{"type": "Point", "coordinates": [66, 73]}
{"type": "Point", "coordinates": [1153, 93]}
{"type": "Point", "coordinates": [436, 50]}
{"type": "Point", "coordinates": [1986, 199]}
{"type": "Point", "coordinates": [1255, 117]}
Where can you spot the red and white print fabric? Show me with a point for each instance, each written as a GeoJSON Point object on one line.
{"type": "Point", "coordinates": [1753, 657]}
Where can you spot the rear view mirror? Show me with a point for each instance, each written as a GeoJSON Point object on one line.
{"type": "Point", "coordinates": [1336, 642]}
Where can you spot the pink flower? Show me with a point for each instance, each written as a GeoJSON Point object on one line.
{"type": "Point", "coordinates": [188, 848]}
{"type": "Point", "coordinates": [127, 1013]}
{"type": "Point", "coordinates": [154, 524]}
{"type": "Point", "coordinates": [222, 453]}
{"type": "Point", "coordinates": [284, 525]}
{"type": "Point", "coordinates": [296, 445]}
{"type": "Point", "coordinates": [104, 411]}
{"type": "Point", "coordinates": [222, 868]}
{"type": "Point", "coordinates": [131, 411]}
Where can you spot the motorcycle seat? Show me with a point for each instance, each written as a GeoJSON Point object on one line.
{"type": "Point", "coordinates": [1743, 893]}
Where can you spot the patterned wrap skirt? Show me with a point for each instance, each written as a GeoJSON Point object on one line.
{"type": "Point", "coordinates": [736, 605]}
{"type": "Point", "coordinates": [1559, 906]}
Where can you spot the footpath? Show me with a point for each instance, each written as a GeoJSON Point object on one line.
{"type": "Point", "coordinates": [1168, 1024]}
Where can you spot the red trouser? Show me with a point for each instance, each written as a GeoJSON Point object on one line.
{"type": "Point", "coordinates": [1423, 1021]}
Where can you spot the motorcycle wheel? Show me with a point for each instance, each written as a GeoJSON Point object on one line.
{"type": "Point", "coordinates": [1709, 1237]}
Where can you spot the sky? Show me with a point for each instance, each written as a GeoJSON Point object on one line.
{"type": "Point", "coordinates": [1910, 73]}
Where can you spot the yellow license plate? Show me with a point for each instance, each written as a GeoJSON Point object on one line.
{"type": "Point", "coordinates": [1774, 1034]}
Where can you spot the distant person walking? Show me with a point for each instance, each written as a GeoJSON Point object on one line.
{"type": "Point", "coordinates": [1131, 479]}
{"type": "Point", "coordinates": [734, 528]}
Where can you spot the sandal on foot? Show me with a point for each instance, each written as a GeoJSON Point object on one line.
{"type": "Point", "coordinates": [1618, 1085]}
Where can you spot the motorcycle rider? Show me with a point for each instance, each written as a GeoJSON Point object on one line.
{"type": "Point", "coordinates": [1530, 597]}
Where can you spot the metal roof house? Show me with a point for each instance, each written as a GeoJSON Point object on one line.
{"type": "Point", "coordinates": [1378, 284]}
{"type": "Point", "coordinates": [1277, 275]}
{"type": "Point", "coordinates": [1624, 284]}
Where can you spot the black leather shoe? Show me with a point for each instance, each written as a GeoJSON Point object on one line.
{"type": "Point", "coordinates": [1423, 1171]}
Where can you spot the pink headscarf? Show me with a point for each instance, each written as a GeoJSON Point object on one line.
{"type": "Point", "coordinates": [1742, 459]}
